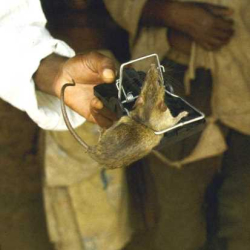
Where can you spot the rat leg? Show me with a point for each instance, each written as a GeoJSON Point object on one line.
{"type": "Point", "coordinates": [180, 116]}
{"type": "Point", "coordinates": [170, 121]}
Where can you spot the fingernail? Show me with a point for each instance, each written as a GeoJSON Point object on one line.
{"type": "Point", "coordinates": [108, 74]}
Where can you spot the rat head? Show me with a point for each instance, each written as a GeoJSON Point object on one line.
{"type": "Point", "coordinates": [150, 105]}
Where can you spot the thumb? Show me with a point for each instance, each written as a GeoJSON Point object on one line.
{"type": "Point", "coordinates": [108, 75]}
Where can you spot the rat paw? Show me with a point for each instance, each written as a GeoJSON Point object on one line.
{"type": "Point", "coordinates": [180, 116]}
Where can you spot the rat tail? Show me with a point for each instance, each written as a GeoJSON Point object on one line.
{"type": "Point", "coordinates": [66, 118]}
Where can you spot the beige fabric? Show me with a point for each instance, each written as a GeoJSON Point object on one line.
{"type": "Point", "coordinates": [211, 143]}
{"type": "Point", "coordinates": [66, 162]}
{"type": "Point", "coordinates": [62, 226]}
{"type": "Point", "coordinates": [127, 14]}
{"type": "Point", "coordinates": [89, 215]}
{"type": "Point", "coordinates": [231, 86]}
{"type": "Point", "coordinates": [104, 218]}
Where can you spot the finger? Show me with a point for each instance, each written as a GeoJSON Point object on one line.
{"type": "Point", "coordinates": [97, 105]}
{"type": "Point", "coordinates": [108, 114]}
{"type": "Point", "coordinates": [102, 121]}
{"type": "Point", "coordinates": [215, 44]}
{"type": "Point", "coordinates": [223, 35]}
{"type": "Point", "coordinates": [211, 44]}
{"type": "Point", "coordinates": [101, 65]}
{"type": "Point", "coordinates": [223, 24]}
{"type": "Point", "coordinates": [218, 10]}
{"type": "Point", "coordinates": [99, 119]}
{"type": "Point", "coordinates": [207, 46]}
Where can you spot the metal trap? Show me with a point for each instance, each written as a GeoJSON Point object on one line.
{"type": "Point", "coordinates": [120, 97]}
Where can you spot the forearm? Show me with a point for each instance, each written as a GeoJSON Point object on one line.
{"type": "Point", "coordinates": [209, 25]}
{"type": "Point", "coordinates": [46, 74]}
{"type": "Point", "coordinates": [167, 13]}
{"type": "Point", "coordinates": [162, 13]}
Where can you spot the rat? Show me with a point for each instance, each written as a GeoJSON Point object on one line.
{"type": "Point", "coordinates": [132, 137]}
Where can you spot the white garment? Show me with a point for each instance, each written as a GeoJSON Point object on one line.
{"type": "Point", "coordinates": [24, 43]}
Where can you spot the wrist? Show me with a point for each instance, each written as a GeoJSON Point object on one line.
{"type": "Point", "coordinates": [178, 16]}
{"type": "Point", "coordinates": [47, 75]}
{"type": "Point", "coordinates": [171, 12]}
{"type": "Point", "coordinates": [156, 12]}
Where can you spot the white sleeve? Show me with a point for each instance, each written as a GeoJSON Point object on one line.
{"type": "Point", "coordinates": [24, 43]}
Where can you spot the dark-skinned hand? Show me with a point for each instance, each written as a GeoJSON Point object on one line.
{"type": "Point", "coordinates": [86, 70]}
{"type": "Point", "coordinates": [209, 25]}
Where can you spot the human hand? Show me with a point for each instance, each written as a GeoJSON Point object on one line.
{"type": "Point", "coordinates": [209, 25]}
{"type": "Point", "coordinates": [86, 71]}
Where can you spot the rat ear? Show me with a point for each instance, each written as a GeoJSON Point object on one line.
{"type": "Point", "coordinates": [139, 101]}
{"type": "Point", "coordinates": [162, 106]}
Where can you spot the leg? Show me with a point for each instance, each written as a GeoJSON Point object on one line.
{"type": "Point", "coordinates": [182, 222]}
{"type": "Point", "coordinates": [233, 196]}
